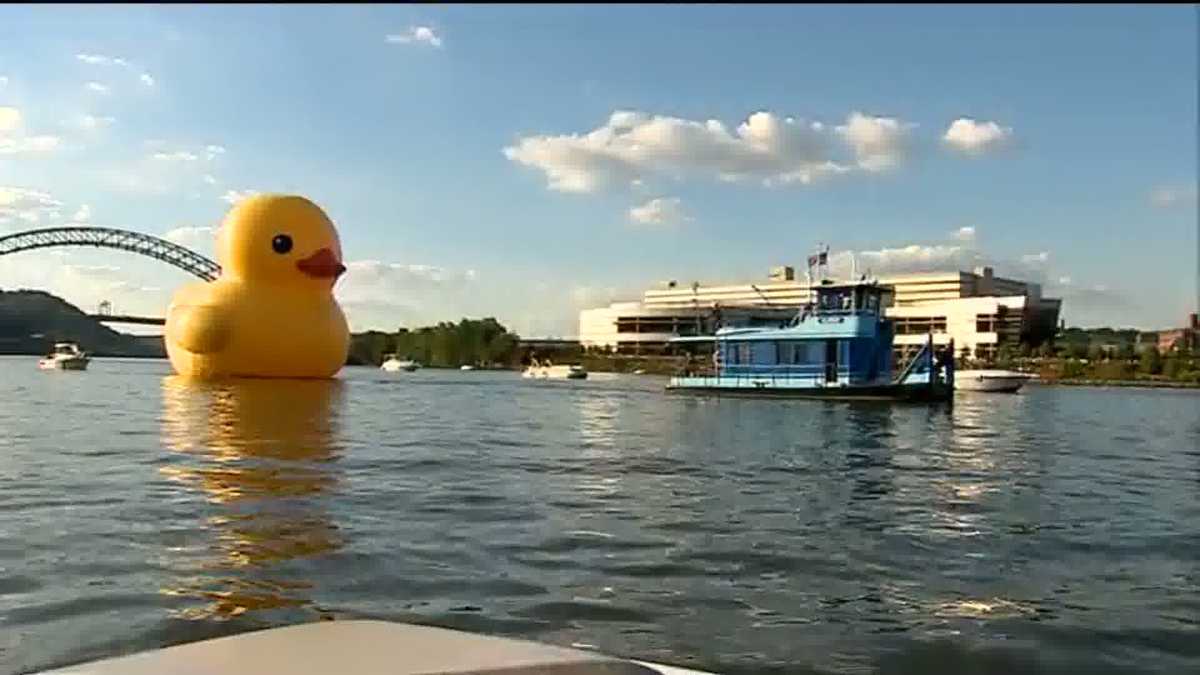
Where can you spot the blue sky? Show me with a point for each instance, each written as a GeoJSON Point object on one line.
{"type": "Point", "coordinates": [1073, 163]}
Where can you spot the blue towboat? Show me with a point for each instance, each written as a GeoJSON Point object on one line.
{"type": "Point", "coordinates": [838, 346]}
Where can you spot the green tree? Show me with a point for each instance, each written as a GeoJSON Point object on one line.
{"type": "Point", "coordinates": [1126, 352]}
{"type": "Point", "coordinates": [1151, 362]}
{"type": "Point", "coordinates": [1006, 355]}
{"type": "Point", "coordinates": [1077, 350]}
{"type": "Point", "coordinates": [1172, 367]}
{"type": "Point", "coordinates": [1094, 352]}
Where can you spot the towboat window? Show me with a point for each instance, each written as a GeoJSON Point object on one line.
{"type": "Point", "coordinates": [785, 353]}
{"type": "Point", "coordinates": [743, 352]}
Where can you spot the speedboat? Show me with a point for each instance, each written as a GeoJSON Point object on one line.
{"type": "Point", "coordinates": [392, 364]}
{"type": "Point", "coordinates": [66, 356]}
{"type": "Point", "coordinates": [1007, 381]}
{"type": "Point", "coordinates": [466, 366]}
{"type": "Point", "coordinates": [552, 372]}
{"type": "Point", "coordinates": [360, 647]}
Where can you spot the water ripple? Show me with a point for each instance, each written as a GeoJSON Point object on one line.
{"type": "Point", "coordinates": [1050, 532]}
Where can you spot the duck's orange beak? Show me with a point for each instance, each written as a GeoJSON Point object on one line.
{"type": "Point", "coordinates": [323, 265]}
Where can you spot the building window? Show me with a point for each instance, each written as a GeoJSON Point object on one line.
{"type": "Point", "coordinates": [985, 323]}
{"type": "Point", "coordinates": [920, 325]}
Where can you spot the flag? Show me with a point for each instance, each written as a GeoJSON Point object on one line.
{"type": "Point", "coordinates": [823, 259]}
{"type": "Point", "coordinates": [813, 260]}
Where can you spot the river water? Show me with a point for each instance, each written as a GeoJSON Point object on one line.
{"type": "Point", "coordinates": [1056, 530]}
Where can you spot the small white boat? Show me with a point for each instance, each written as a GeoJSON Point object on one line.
{"type": "Point", "coordinates": [552, 372]}
{"type": "Point", "coordinates": [366, 648]}
{"type": "Point", "coordinates": [1007, 381]}
{"type": "Point", "coordinates": [466, 367]}
{"type": "Point", "coordinates": [66, 356]}
{"type": "Point", "coordinates": [392, 365]}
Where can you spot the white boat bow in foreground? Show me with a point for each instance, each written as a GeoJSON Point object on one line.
{"type": "Point", "coordinates": [366, 648]}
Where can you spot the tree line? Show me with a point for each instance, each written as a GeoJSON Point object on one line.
{"type": "Point", "coordinates": [484, 343]}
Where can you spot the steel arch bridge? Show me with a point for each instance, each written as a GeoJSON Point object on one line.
{"type": "Point", "coordinates": [105, 237]}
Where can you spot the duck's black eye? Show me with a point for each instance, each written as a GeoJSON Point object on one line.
{"type": "Point", "coordinates": [281, 243]}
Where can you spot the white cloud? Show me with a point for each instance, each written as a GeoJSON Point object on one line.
{"type": "Point", "coordinates": [83, 215]}
{"type": "Point", "coordinates": [101, 60]}
{"type": "Point", "coordinates": [1035, 258]}
{"type": "Point", "coordinates": [200, 239]}
{"type": "Point", "coordinates": [10, 120]}
{"type": "Point", "coordinates": [235, 196]}
{"type": "Point", "coordinates": [908, 259]}
{"type": "Point", "coordinates": [97, 87]}
{"type": "Point", "coordinates": [3, 82]}
{"type": "Point", "coordinates": [1064, 281]}
{"type": "Point", "coordinates": [1167, 196]}
{"type": "Point", "coordinates": [209, 179]}
{"type": "Point", "coordinates": [14, 142]}
{"type": "Point", "coordinates": [387, 295]}
{"type": "Point", "coordinates": [28, 145]}
{"type": "Point", "coordinates": [31, 206]}
{"type": "Point", "coordinates": [964, 234]}
{"type": "Point", "coordinates": [974, 137]}
{"type": "Point", "coordinates": [768, 148]}
{"type": "Point", "coordinates": [659, 211]}
{"type": "Point", "coordinates": [211, 151]}
{"type": "Point", "coordinates": [176, 156]}
{"type": "Point", "coordinates": [416, 34]}
{"type": "Point", "coordinates": [96, 122]}
{"type": "Point", "coordinates": [879, 143]}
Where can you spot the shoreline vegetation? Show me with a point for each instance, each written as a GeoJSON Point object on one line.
{"type": "Point", "coordinates": [31, 321]}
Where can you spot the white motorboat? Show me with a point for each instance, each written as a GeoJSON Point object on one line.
{"type": "Point", "coordinates": [393, 364]}
{"type": "Point", "coordinates": [1006, 381]}
{"type": "Point", "coordinates": [466, 367]}
{"type": "Point", "coordinates": [548, 371]}
{"type": "Point", "coordinates": [66, 356]}
{"type": "Point", "coordinates": [367, 648]}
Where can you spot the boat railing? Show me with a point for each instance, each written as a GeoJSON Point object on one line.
{"type": "Point", "coordinates": [925, 361]}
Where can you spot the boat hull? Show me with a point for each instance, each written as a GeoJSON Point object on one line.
{"type": "Point", "coordinates": [63, 364]}
{"type": "Point", "coordinates": [995, 382]}
{"type": "Point", "coordinates": [555, 373]}
{"type": "Point", "coordinates": [882, 392]}
{"type": "Point", "coordinates": [808, 388]}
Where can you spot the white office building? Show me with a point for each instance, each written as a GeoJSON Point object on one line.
{"type": "Point", "coordinates": [976, 310]}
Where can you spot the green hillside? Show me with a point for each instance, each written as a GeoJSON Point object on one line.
{"type": "Point", "coordinates": [32, 321]}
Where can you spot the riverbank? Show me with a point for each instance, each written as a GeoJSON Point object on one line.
{"type": "Point", "coordinates": [1144, 384]}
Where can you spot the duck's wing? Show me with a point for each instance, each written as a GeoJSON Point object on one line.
{"type": "Point", "coordinates": [200, 329]}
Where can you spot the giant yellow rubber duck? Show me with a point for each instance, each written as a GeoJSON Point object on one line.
{"type": "Point", "coordinates": [271, 313]}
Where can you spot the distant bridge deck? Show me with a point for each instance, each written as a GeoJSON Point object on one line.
{"type": "Point", "coordinates": [125, 318]}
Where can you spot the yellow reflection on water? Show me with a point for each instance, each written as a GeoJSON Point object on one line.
{"type": "Point", "coordinates": [983, 608]}
{"type": "Point", "coordinates": [262, 454]}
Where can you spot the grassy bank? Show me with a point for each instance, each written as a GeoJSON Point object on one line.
{"type": "Point", "coordinates": [1151, 384]}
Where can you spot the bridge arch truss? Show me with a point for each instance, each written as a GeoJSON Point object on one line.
{"type": "Point", "coordinates": [150, 246]}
